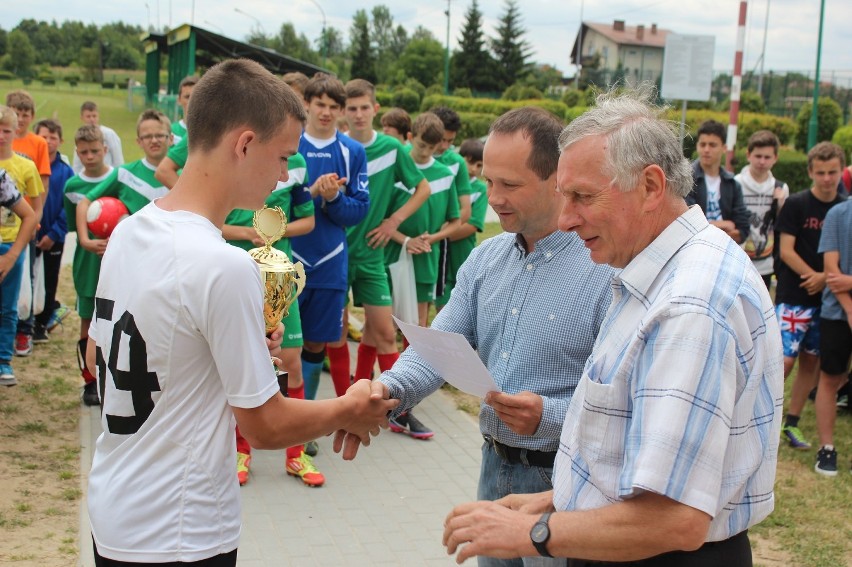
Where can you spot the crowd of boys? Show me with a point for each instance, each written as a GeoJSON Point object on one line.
{"type": "Point", "coordinates": [353, 200]}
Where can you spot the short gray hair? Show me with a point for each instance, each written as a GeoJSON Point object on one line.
{"type": "Point", "coordinates": [637, 136]}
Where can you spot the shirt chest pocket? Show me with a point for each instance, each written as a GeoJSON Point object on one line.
{"type": "Point", "coordinates": [602, 432]}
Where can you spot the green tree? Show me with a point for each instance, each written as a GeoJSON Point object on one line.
{"type": "Point", "coordinates": [382, 37]}
{"type": "Point", "coordinates": [361, 52]}
{"type": "Point", "coordinates": [89, 60]}
{"type": "Point", "coordinates": [510, 49]}
{"type": "Point", "coordinates": [293, 44]}
{"type": "Point", "coordinates": [423, 60]}
{"type": "Point", "coordinates": [472, 66]}
{"type": "Point", "coordinates": [22, 55]}
{"type": "Point", "coordinates": [3, 37]}
{"type": "Point", "coordinates": [828, 120]}
{"type": "Point", "coordinates": [542, 77]}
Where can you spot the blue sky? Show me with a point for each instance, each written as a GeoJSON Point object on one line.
{"type": "Point", "coordinates": [551, 24]}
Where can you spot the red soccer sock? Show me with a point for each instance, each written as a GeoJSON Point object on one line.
{"type": "Point", "coordinates": [297, 394]}
{"type": "Point", "coordinates": [87, 376]}
{"type": "Point", "coordinates": [242, 445]}
{"type": "Point", "coordinates": [386, 361]}
{"type": "Point", "coordinates": [366, 361]}
{"type": "Point", "coordinates": [339, 364]}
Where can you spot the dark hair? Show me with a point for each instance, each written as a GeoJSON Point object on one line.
{"type": "Point", "coordinates": [88, 133]}
{"type": "Point", "coordinates": [188, 81]}
{"type": "Point", "coordinates": [20, 100]}
{"type": "Point", "coordinates": [448, 116]}
{"type": "Point", "coordinates": [360, 87]}
{"type": "Point", "coordinates": [156, 116]}
{"type": "Point", "coordinates": [235, 93]}
{"type": "Point", "coordinates": [53, 126]}
{"type": "Point", "coordinates": [429, 127]}
{"type": "Point", "coordinates": [399, 119]}
{"type": "Point", "coordinates": [825, 151]}
{"type": "Point", "coordinates": [471, 149]}
{"type": "Point", "coordinates": [541, 128]}
{"type": "Point", "coordinates": [88, 105]}
{"type": "Point", "coordinates": [296, 81]}
{"type": "Point", "coordinates": [763, 139]}
{"type": "Point", "coordinates": [325, 84]}
{"type": "Point", "coordinates": [712, 128]}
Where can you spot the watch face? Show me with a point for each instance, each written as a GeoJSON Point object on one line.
{"type": "Point", "coordinates": [540, 532]}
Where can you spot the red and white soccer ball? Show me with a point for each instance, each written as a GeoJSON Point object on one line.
{"type": "Point", "coordinates": [104, 214]}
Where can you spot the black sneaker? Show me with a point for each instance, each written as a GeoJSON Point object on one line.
{"type": "Point", "coordinates": [410, 425]}
{"type": "Point", "coordinates": [40, 335]}
{"type": "Point", "coordinates": [90, 394]}
{"type": "Point", "coordinates": [826, 461]}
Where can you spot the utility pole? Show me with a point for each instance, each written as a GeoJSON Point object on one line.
{"type": "Point", "coordinates": [447, 54]}
{"type": "Point", "coordinates": [736, 87]}
{"type": "Point", "coordinates": [814, 121]}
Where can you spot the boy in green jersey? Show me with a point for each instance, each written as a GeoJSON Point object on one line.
{"type": "Point", "coordinates": [463, 240]}
{"type": "Point", "coordinates": [388, 164]}
{"type": "Point", "coordinates": [294, 198]}
{"type": "Point", "coordinates": [133, 183]}
{"type": "Point", "coordinates": [91, 151]}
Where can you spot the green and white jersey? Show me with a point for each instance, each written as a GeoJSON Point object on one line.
{"type": "Point", "coordinates": [388, 163]}
{"type": "Point", "coordinates": [458, 166]}
{"type": "Point", "coordinates": [86, 265]}
{"type": "Point", "coordinates": [179, 151]}
{"type": "Point", "coordinates": [461, 249]}
{"type": "Point", "coordinates": [133, 184]}
{"type": "Point", "coordinates": [442, 206]}
{"type": "Point", "coordinates": [178, 131]}
{"type": "Point", "coordinates": [294, 198]}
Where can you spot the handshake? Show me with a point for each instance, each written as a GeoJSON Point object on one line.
{"type": "Point", "coordinates": [365, 409]}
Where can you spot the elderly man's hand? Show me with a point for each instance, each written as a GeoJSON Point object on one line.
{"type": "Point", "coordinates": [487, 528]}
{"type": "Point", "coordinates": [368, 406]}
{"type": "Point", "coordinates": [520, 412]}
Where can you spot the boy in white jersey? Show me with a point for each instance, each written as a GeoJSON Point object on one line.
{"type": "Point", "coordinates": [178, 338]}
{"type": "Point", "coordinates": [133, 183]}
{"type": "Point", "coordinates": [91, 151]}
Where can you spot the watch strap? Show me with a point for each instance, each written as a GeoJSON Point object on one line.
{"type": "Point", "coordinates": [541, 546]}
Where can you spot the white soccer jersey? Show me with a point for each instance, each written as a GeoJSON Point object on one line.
{"type": "Point", "coordinates": [180, 335]}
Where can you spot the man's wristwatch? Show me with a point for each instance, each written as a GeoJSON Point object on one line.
{"type": "Point", "coordinates": [540, 534]}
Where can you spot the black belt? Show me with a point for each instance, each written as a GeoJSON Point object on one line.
{"type": "Point", "coordinates": [518, 456]}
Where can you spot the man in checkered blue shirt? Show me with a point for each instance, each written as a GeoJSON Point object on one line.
{"type": "Point", "coordinates": [530, 301]}
{"type": "Point", "coordinates": [669, 447]}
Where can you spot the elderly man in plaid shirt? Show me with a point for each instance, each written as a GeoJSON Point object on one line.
{"type": "Point", "coordinates": [668, 450]}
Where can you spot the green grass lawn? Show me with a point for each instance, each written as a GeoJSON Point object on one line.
{"type": "Point", "coordinates": [63, 102]}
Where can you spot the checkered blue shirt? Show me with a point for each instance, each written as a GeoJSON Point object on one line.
{"type": "Point", "coordinates": [532, 318]}
{"type": "Point", "coordinates": [682, 395]}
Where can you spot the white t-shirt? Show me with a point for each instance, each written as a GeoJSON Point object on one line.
{"type": "Point", "coordinates": [180, 334]}
{"type": "Point", "coordinates": [714, 210]}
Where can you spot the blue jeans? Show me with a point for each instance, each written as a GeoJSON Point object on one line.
{"type": "Point", "coordinates": [498, 478]}
{"type": "Point", "coordinates": [10, 288]}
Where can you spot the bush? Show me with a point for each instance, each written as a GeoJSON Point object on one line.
{"type": "Point", "coordinates": [406, 99]}
{"type": "Point", "coordinates": [48, 82]}
{"type": "Point", "coordinates": [6, 76]}
{"type": "Point", "coordinates": [828, 120]}
{"type": "Point", "coordinates": [749, 123]}
{"type": "Point", "coordinates": [574, 112]}
{"type": "Point", "coordinates": [463, 92]}
{"type": "Point", "coordinates": [474, 125]}
{"type": "Point", "coordinates": [384, 98]}
{"type": "Point", "coordinates": [416, 86]}
{"type": "Point", "coordinates": [490, 106]}
{"type": "Point", "coordinates": [433, 90]}
{"type": "Point", "coordinates": [72, 78]}
{"type": "Point", "coordinates": [843, 138]}
{"type": "Point", "coordinates": [750, 101]}
{"type": "Point", "coordinates": [572, 97]}
{"type": "Point", "coordinates": [521, 92]}
{"type": "Point", "coordinates": [108, 85]}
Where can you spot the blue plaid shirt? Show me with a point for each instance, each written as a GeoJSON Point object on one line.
{"type": "Point", "coordinates": [532, 318]}
{"type": "Point", "coordinates": [682, 395]}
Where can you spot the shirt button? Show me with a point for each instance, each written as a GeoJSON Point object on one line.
{"type": "Point", "coordinates": [505, 354]}
{"type": "Point", "coordinates": [514, 311]}
{"type": "Point", "coordinates": [529, 267]}
{"type": "Point", "coordinates": [549, 254]}
{"type": "Point", "coordinates": [552, 317]}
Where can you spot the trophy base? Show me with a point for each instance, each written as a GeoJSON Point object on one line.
{"type": "Point", "coordinates": [282, 381]}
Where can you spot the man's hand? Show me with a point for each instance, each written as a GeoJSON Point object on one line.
{"type": "Point", "coordinates": [520, 412]}
{"type": "Point", "coordinates": [839, 283]}
{"type": "Point", "coordinates": [535, 503]}
{"type": "Point", "coordinates": [368, 405]}
{"type": "Point", "coordinates": [487, 528]}
{"type": "Point", "coordinates": [381, 235]}
{"type": "Point", "coordinates": [813, 282]}
{"type": "Point", "coordinates": [46, 243]}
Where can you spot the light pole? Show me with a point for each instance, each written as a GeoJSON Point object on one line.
{"type": "Point", "coordinates": [579, 63]}
{"type": "Point", "coordinates": [814, 121]}
{"type": "Point", "coordinates": [323, 38]}
{"type": "Point", "coordinates": [212, 25]}
{"type": "Point", "coordinates": [447, 54]}
{"type": "Point", "coordinates": [148, 9]}
{"type": "Point", "coordinates": [260, 29]}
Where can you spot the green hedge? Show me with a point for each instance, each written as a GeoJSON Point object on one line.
{"type": "Point", "coordinates": [474, 125]}
{"type": "Point", "coordinates": [843, 138]}
{"type": "Point", "coordinates": [749, 123]}
{"type": "Point", "coordinates": [490, 106]}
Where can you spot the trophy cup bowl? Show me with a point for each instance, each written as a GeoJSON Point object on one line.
{"type": "Point", "coordinates": [283, 280]}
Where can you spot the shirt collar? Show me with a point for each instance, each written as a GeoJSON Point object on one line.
{"type": "Point", "coordinates": [643, 270]}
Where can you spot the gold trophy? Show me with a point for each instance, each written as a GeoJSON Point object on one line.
{"type": "Point", "coordinates": [283, 280]}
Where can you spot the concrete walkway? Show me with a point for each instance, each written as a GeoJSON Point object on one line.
{"type": "Point", "coordinates": [386, 507]}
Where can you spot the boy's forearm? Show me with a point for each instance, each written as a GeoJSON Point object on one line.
{"type": "Point", "coordinates": [463, 232]}
{"type": "Point", "coordinates": [82, 223]}
{"type": "Point", "coordinates": [420, 196]}
{"type": "Point", "coordinates": [446, 230]}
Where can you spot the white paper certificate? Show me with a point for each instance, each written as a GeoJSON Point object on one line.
{"type": "Point", "coordinates": [452, 356]}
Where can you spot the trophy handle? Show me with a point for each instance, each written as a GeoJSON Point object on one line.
{"type": "Point", "coordinates": [300, 280]}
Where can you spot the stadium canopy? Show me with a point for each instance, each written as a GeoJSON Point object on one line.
{"type": "Point", "coordinates": [190, 48]}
